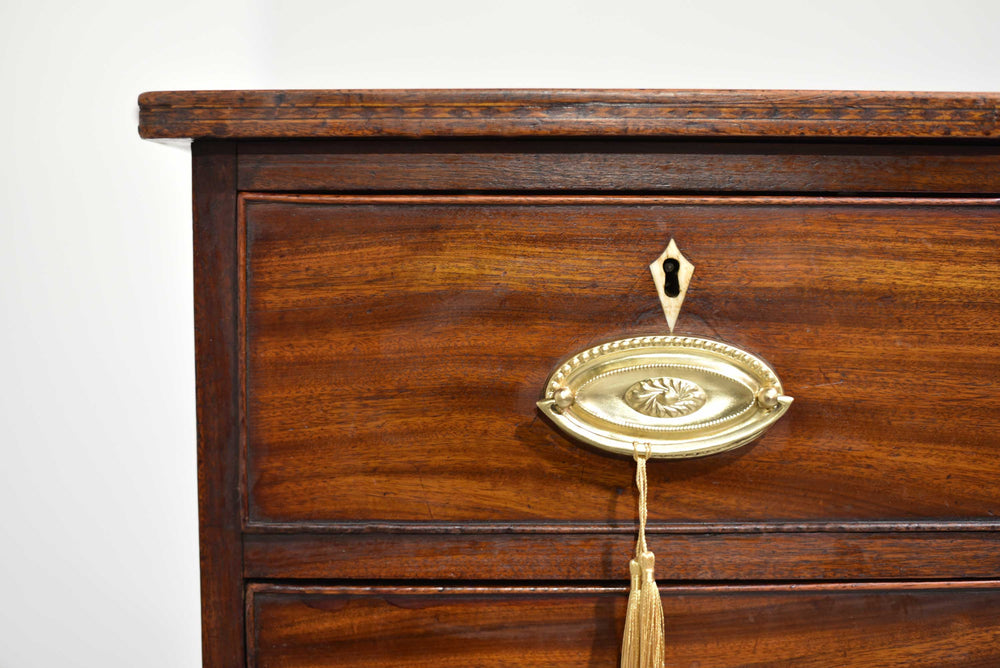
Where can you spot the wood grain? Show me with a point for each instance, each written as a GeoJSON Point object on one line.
{"type": "Point", "coordinates": [292, 114]}
{"type": "Point", "coordinates": [397, 347]}
{"type": "Point", "coordinates": [596, 556]}
{"type": "Point", "coordinates": [928, 624]}
{"type": "Point", "coordinates": [217, 375]}
{"type": "Point", "coordinates": [592, 165]}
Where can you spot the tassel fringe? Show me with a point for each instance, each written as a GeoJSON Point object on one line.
{"type": "Point", "coordinates": [650, 617]}
{"type": "Point", "coordinates": [643, 643]}
{"type": "Point", "coordinates": [630, 639]}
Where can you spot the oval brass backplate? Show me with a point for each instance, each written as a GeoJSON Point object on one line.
{"type": "Point", "coordinates": [684, 396]}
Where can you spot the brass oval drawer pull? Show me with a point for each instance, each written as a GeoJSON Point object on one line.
{"type": "Point", "coordinates": [685, 396]}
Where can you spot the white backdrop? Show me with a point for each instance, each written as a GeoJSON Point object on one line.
{"type": "Point", "coordinates": [98, 537]}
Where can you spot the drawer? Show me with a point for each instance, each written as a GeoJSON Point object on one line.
{"type": "Point", "coordinates": [919, 624]}
{"type": "Point", "coordinates": [395, 347]}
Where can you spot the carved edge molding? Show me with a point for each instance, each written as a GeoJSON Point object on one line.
{"type": "Point", "coordinates": [524, 113]}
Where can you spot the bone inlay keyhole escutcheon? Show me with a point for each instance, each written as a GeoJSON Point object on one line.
{"type": "Point", "coordinates": [671, 275]}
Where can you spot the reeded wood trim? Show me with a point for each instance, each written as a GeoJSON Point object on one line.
{"type": "Point", "coordinates": [604, 557]}
{"type": "Point", "coordinates": [216, 346]}
{"type": "Point", "coordinates": [905, 526]}
{"type": "Point", "coordinates": [617, 200]}
{"type": "Point", "coordinates": [618, 165]}
{"type": "Point", "coordinates": [521, 590]}
{"type": "Point", "coordinates": [539, 113]}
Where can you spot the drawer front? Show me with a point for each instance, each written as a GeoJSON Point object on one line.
{"type": "Point", "coordinates": [395, 348]}
{"type": "Point", "coordinates": [822, 625]}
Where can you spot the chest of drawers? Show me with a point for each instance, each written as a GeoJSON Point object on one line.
{"type": "Point", "coordinates": [385, 279]}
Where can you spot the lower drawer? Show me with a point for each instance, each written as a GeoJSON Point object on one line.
{"type": "Point", "coordinates": [913, 624]}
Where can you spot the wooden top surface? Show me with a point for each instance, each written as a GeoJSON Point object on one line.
{"type": "Point", "coordinates": [317, 114]}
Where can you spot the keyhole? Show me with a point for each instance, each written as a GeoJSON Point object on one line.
{"type": "Point", "coordinates": [671, 280]}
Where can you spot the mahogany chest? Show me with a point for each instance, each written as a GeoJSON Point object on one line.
{"type": "Point", "coordinates": [384, 280]}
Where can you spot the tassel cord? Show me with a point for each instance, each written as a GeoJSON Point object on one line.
{"type": "Point", "coordinates": [643, 643]}
{"type": "Point", "coordinates": [641, 484]}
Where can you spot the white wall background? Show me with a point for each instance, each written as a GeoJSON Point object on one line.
{"type": "Point", "coordinates": [98, 536]}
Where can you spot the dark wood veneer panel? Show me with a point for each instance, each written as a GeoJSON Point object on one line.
{"type": "Point", "coordinates": [939, 625]}
{"type": "Point", "coordinates": [217, 363]}
{"type": "Point", "coordinates": [396, 348]}
{"type": "Point", "coordinates": [456, 165]}
{"type": "Point", "coordinates": [581, 556]}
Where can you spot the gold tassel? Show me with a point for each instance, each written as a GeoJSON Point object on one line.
{"type": "Point", "coordinates": [650, 617]}
{"type": "Point", "coordinates": [630, 640]}
{"type": "Point", "coordinates": [643, 643]}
